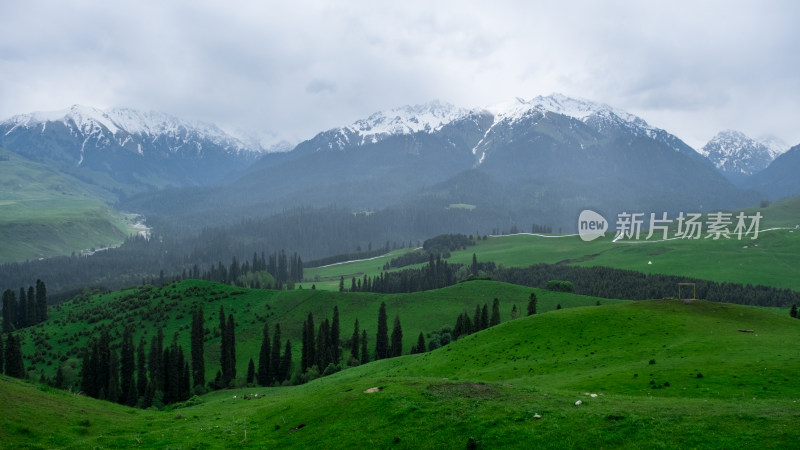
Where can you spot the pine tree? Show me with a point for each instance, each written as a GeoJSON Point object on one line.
{"type": "Point", "coordinates": [33, 317]}
{"type": "Point", "coordinates": [324, 351]}
{"type": "Point", "coordinates": [275, 361]}
{"type": "Point", "coordinates": [155, 361]}
{"type": "Point", "coordinates": [286, 362]}
{"type": "Point", "coordinates": [793, 311]}
{"type": "Point", "coordinates": [309, 351]}
{"type": "Point", "coordinates": [59, 381]}
{"type": "Point", "coordinates": [341, 284]}
{"type": "Point", "coordinates": [335, 336]}
{"type": "Point", "coordinates": [264, 374]}
{"type": "Point", "coordinates": [397, 338]}
{"type": "Point", "coordinates": [127, 366]}
{"type": "Point", "coordinates": [354, 344]}
{"type": "Point", "coordinates": [251, 372]}
{"type": "Point", "coordinates": [9, 311]}
{"type": "Point", "coordinates": [495, 320]}
{"type": "Point", "coordinates": [231, 348]}
{"type": "Point", "coordinates": [22, 309]}
{"type": "Point", "coordinates": [532, 304]}
{"type": "Point", "coordinates": [113, 391]}
{"type": "Point", "coordinates": [41, 301]}
{"type": "Point", "coordinates": [514, 312]}
{"type": "Point", "coordinates": [364, 352]}
{"type": "Point", "coordinates": [382, 338]}
{"type": "Point", "coordinates": [485, 317]}
{"type": "Point", "coordinates": [224, 353]}
{"type": "Point", "coordinates": [141, 368]}
{"type": "Point", "coordinates": [476, 319]}
{"type": "Point", "coordinates": [420, 347]}
{"type": "Point", "coordinates": [198, 347]}
{"type": "Point", "coordinates": [13, 359]}
{"type": "Point", "coordinates": [475, 265]}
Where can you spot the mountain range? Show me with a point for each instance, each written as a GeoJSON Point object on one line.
{"type": "Point", "coordinates": [125, 150]}
{"type": "Point", "coordinates": [520, 162]}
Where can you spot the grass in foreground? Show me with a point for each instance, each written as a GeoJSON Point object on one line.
{"type": "Point", "coordinates": [665, 375]}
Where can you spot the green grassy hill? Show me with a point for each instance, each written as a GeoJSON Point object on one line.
{"type": "Point", "coordinates": [46, 213]}
{"type": "Point", "coordinates": [70, 324]}
{"type": "Point", "coordinates": [651, 374]}
{"type": "Point", "coordinates": [773, 259]}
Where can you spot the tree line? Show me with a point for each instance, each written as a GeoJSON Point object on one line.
{"type": "Point", "coordinates": [29, 309]}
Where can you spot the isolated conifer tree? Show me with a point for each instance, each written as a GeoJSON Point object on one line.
{"type": "Point", "coordinates": [397, 338]}
{"type": "Point", "coordinates": [335, 336]}
{"type": "Point", "coordinates": [341, 284]}
{"type": "Point", "coordinates": [264, 375]}
{"type": "Point", "coordinates": [382, 338]}
{"type": "Point", "coordinates": [793, 311]}
{"type": "Point", "coordinates": [420, 347]}
{"type": "Point", "coordinates": [495, 320]}
{"type": "Point", "coordinates": [475, 265]}
{"type": "Point", "coordinates": [309, 350]}
{"type": "Point", "coordinates": [286, 362]}
{"type": "Point", "coordinates": [275, 360]}
{"type": "Point", "coordinates": [41, 301]}
{"type": "Point", "coordinates": [476, 320]}
{"type": "Point", "coordinates": [354, 344]}
{"type": "Point", "coordinates": [198, 347]}
{"type": "Point", "coordinates": [364, 352]}
{"type": "Point", "coordinates": [514, 312]}
{"type": "Point", "coordinates": [251, 372]}
{"type": "Point", "coordinates": [558, 306]}
{"type": "Point", "coordinates": [532, 304]}
{"type": "Point", "coordinates": [231, 348]}
{"type": "Point", "coordinates": [485, 317]}
{"type": "Point", "coordinates": [141, 368]}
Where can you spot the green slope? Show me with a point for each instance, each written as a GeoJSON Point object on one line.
{"type": "Point", "coordinates": [71, 323]}
{"type": "Point", "coordinates": [514, 385]}
{"type": "Point", "coordinates": [45, 213]}
{"type": "Point", "coordinates": [772, 259]}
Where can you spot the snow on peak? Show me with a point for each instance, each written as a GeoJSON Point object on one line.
{"type": "Point", "coordinates": [577, 108]}
{"type": "Point", "coordinates": [428, 117]}
{"type": "Point", "coordinates": [93, 121]}
{"type": "Point", "coordinates": [734, 152]}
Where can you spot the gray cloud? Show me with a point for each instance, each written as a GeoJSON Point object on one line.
{"type": "Point", "coordinates": [293, 70]}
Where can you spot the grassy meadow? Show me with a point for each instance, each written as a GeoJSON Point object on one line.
{"type": "Point", "coordinates": [773, 259]}
{"type": "Point", "coordinates": [45, 213]}
{"type": "Point", "coordinates": [649, 374]}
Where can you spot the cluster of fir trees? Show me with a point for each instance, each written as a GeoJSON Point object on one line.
{"type": "Point", "coordinates": [162, 375]}
{"type": "Point", "coordinates": [273, 368]}
{"type": "Point", "coordinates": [29, 309]}
{"type": "Point", "coordinates": [481, 320]}
{"type": "Point", "coordinates": [11, 356]}
{"type": "Point", "coordinates": [436, 274]}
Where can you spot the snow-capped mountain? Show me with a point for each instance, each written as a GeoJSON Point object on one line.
{"type": "Point", "coordinates": [124, 125]}
{"type": "Point", "coordinates": [134, 148]}
{"type": "Point", "coordinates": [737, 155]}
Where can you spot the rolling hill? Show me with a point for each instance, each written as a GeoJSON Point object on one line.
{"type": "Point", "coordinates": [47, 213]}
{"type": "Point", "coordinates": [650, 374]}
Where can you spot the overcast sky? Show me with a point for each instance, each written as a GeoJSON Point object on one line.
{"type": "Point", "coordinates": [693, 68]}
